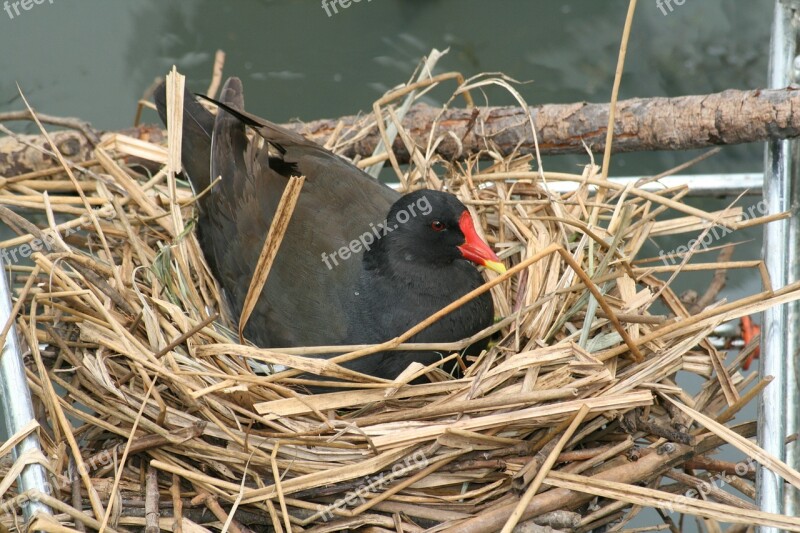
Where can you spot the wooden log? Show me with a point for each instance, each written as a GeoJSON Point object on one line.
{"type": "Point", "coordinates": [642, 124]}
{"type": "Point", "coordinates": [28, 154]}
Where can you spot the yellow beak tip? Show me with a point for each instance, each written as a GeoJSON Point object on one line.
{"type": "Point", "coordinates": [497, 266]}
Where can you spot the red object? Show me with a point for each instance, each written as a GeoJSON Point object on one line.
{"type": "Point", "coordinates": [474, 248]}
{"type": "Point", "coordinates": [750, 331]}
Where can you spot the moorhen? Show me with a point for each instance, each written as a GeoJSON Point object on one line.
{"type": "Point", "coordinates": [346, 272]}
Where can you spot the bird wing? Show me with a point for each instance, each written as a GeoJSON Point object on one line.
{"type": "Point", "coordinates": [304, 302]}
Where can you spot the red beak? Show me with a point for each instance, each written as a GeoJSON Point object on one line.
{"type": "Point", "coordinates": [475, 249]}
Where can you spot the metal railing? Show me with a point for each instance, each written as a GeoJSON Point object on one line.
{"type": "Point", "coordinates": [15, 401]}
{"type": "Point", "coordinates": [779, 340]}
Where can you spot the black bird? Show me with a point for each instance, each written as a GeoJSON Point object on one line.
{"type": "Point", "coordinates": [359, 263]}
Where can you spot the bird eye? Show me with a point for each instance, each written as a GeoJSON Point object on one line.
{"type": "Point", "coordinates": [437, 225]}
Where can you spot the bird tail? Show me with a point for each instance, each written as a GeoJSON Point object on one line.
{"type": "Point", "coordinates": [198, 125]}
{"type": "Point", "coordinates": [229, 145]}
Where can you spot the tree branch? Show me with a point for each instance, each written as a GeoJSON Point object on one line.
{"type": "Point", "coordinates": [642, 124]}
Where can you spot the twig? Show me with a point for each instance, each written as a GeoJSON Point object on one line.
{"type": "Point", "coordinates": [151, 504]}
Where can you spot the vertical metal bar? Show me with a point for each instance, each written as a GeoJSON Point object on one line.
{"type": "Point", "coordinates": [15, 398]}
{"type": "Point", "coordinates": [778, 408]}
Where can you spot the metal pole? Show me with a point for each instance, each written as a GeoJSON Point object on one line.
{"type": "Point", "coordinates": [16, 404]}
{"type": "Point", "coordinates": [778, 408]}
{"type": "Point", "coordinates": [749, 183]}
{"type": "Point", "coordinates": [698, 184]}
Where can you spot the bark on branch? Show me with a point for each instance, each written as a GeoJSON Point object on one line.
{"type": "Point", "coordinates": [642, 124]}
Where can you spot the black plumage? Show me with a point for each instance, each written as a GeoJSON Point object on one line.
{"type": "Point", "coordinates": [359, 263]}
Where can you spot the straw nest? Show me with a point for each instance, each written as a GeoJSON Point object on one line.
{"type": "Point", "coordinates": [152, 414]}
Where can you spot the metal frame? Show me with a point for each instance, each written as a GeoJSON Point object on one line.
{"type": "Point", "coordinates": [17, 406]}
{"type": "Point", "coordinates": [699, 184]}
{"type": "Point", "coordinates": [779, 340]}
